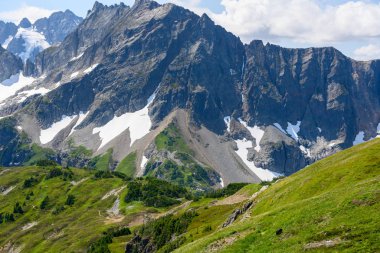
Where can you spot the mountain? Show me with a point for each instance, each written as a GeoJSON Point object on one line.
{"type": "Point", "coordinates": [26, 40]}
{"type": "Point", "coordinates": [155, 89]}
{"type": "Point", "coordinates": [331, 206]}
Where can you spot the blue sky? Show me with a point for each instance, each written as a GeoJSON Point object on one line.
{"type": "Point", "coordinates": [351, 26]}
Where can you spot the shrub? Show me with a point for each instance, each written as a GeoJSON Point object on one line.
{"type": "Point", "coordinates": [18, 209]}
{"type": "Point", "coordinates": [70, 200]}
{"type": "Point", "coordinates": [30, 182]}
{"type": "Point", "coordinates": [55, 172]}
{"type": "Point", "coordinates": [46, 163]}
{"type": "Point", "coordinates": [44, 203]}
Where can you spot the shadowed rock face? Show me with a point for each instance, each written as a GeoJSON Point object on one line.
{"type": "Point", "coordinates": [9, 64]}
{"type": "Point", "coordinates": [195, 65]}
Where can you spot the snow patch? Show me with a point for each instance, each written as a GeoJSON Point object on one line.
{"type": "Point", "coordinates": [242, 152]}
{"type": "Point", "coordinates": [19, 128]}
{"type": "Point", "coordinates": [221, 182]}
{"type": "Point", "coordinates": [82, 116]}
{"type": "Point", "coordinates": [279, 127]}
{"type": "Point", "coordinates": [256, 132]}
{"type": "Point", "coordinates": [77, 57]}
{"type": "Point", "coordinates": [73, 75]}
{"type": "Point", "coordinates": [227, 120]}
{"type": "Point", "coordinates": [16, 82]}
{"type": "Point", "coordinates": [319, 129]}
{"type": "Point", "coordinates": [7, 41]}
{"type": "Point", "coordinates": [25, 94]}
{"type": "Point", "coordinates": [144, 161]}
{"type": "Point", "coordinates": [33, 41]}
{"type": "Point", "coordinates": [293, 130]}
{"type": "Point", "coordinates": [47, 135]}
{"type": "Point", "coordinates": [359, 138]}
{"type": "Point", "coordinates": [305, 150]}
{"type": "Point", "coordinates": [138, 123]}
{"type": "Point", "coordinates": [90, 69]}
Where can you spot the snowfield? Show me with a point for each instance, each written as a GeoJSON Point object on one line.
{"type": "Point", "coordinates": [138, 123]}
{"type": "Point", "coordinates": [256, 133]}
{"type": "Point", "coordinates": [227, 120]}
{"type": "Point", "coordinates": [293, 130]}
{"type": "Point", "coordinates": [144, 161]}
{"type": "Point", "coordinates": [242, 152]}
{"type": "Point", "coordinates": [47, 135]}
{"type": "Point", "coordinates": [279, 127]}
{"type": "Point", "coordinates": [33, 40]}
{"type": "Point", "coordinates": [82, 116]}
{"type": "Point", "coordinates": [359, 138]}
{"type": "Point", "coordinates": [16, 82]}
{"type": "Point", "coordinates": [90, 69]}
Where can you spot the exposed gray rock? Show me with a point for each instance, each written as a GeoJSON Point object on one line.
{"type": "Point", "coordinates": [9, 64]}
{"type": "Point", "coordinates": [196, 66]}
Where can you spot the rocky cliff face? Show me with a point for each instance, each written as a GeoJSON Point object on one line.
{"type": "Point", "coordinates": [9, 64]}
{"type": "Point", "coordinates": [249, 109]}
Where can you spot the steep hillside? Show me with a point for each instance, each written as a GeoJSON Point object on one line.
{"type": "Point", "coordinates": [330, 206]}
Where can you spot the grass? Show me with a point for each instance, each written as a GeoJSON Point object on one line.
{"type": "Point", "coordinates": [128, 165]}
{"type": "Point", "coordinates": [60, 232]}
{"type": "Point", "coordinates": [39, 154]}
{"type": "Point", "coordinates": [335, 199]}
{"type": "Point", "coordinates": [170, 139]}
{"type": "Point", "coordinates": [103, 162]}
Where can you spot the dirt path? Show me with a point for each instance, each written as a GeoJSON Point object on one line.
{"type": "Point", "coordinates": [79, 182]}
{"type": "Point", "coordinates": [7, 191]}
{"type": "Point", "coordinates": [142, 218]}
{"type": "Point", "coordinates": [114, 192]}
{"type": "Point", "coordinates": [231, 200]}
{"type": "Point", "coordinates": [4, 171]}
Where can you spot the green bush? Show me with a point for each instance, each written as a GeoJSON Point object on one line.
{"type": "Point", "coordinates": [18, 209]}
{"type": "Point", "coordinates": [44, 203]}
{"type": "Point", "coordinates": [55, 172]}
{"type": "Point", "coordinates": [45, 163]}
{"type": "Point", "coordinates": [227, 191]}
{"type": "Point", "coordinates": [70, 200]}
{"type": "Point", "coordinates": [155, 192]}
{"type": "Point", "coordinates": [30, 182]}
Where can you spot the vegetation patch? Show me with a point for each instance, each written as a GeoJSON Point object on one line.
{"type": "Point", "coordinates": [128, 165]}
{"type": "Point", "coordinates": [155, 193]}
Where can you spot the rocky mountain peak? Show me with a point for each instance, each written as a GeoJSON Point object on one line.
{"type": "Point", "coordinates": [25, 23]}
{"type": "Point", "coordinates": [97, 6]}
{"type": "Point", "coordinates": [145, 4]}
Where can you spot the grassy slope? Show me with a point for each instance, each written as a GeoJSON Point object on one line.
{"type": "Point", "coordinates": [83, 220]}
{"type": "Point", "coordinates": [128, 165]}
{"type": "Point", "coordinates": [335, 198]}
{"type": "Point", "coordinates": [71, 230]}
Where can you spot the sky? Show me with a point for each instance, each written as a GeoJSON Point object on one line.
{"type": "Point", "coordinates": [351, 26]}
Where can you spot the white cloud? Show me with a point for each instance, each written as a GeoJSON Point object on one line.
{"type": "Point", "coordinates": [25, 11]}
{"type": "Point", "coordinates": [300, 20]}
{"type": "Point", "coordinates": [368, 52]}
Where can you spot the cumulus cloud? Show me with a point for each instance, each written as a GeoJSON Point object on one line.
{"type": "Point", "coordinates": [25, 11]}
{"type": "Point", "coordinates": [368, 52]}
{"type": "Point", "coordinates": [303, 21]}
